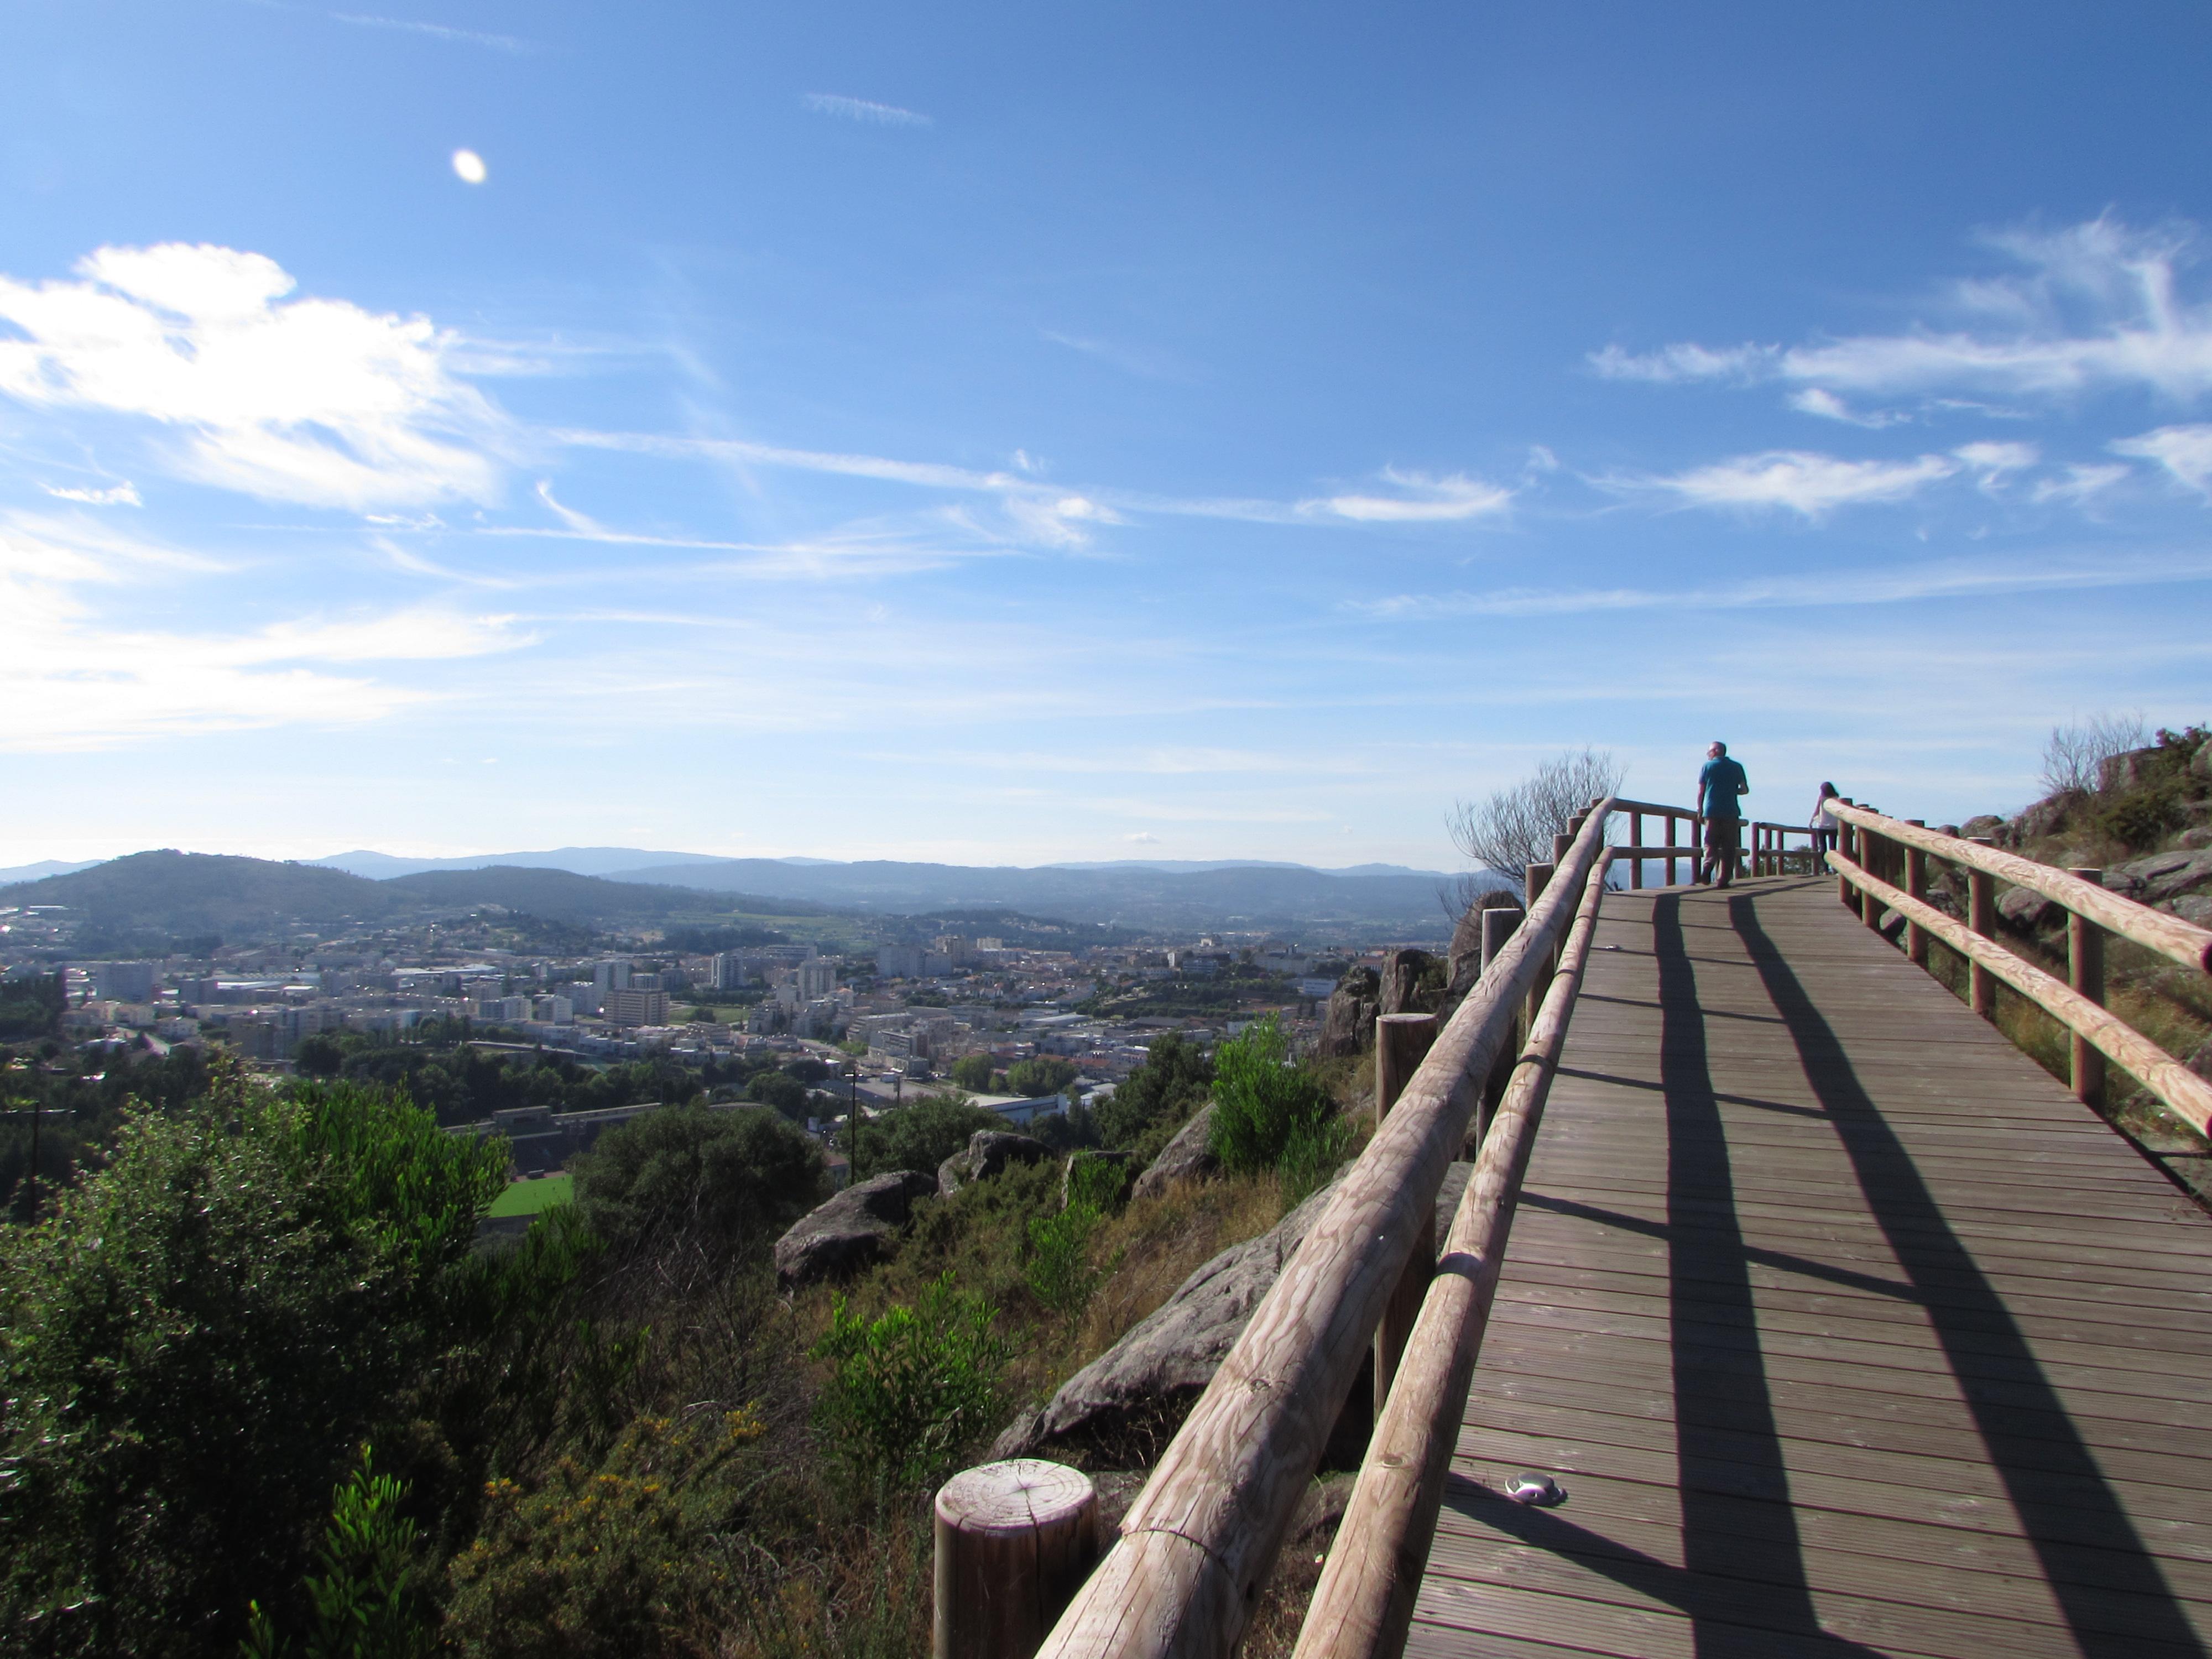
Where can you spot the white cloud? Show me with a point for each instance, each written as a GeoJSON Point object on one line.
{"type": "Point", "coordinates": [1427, 501]}
{"type": "Point", "coordinates": [2092, 306]}
{"type": "Point", "coordinates": [1993, 462]}
{"type": "Point", "coordinates": [1810, 485]}
{"type": "Point", "coordinates": [1905, 584]}
{"type": "Point", "coordinates": [1685, 362]}
{"type": "Point", "coordinates": [1057, 520]}
{"type": "Point", "coordinates": [123, 494]}
{"type": "Point", "coordinates": [860, 109]}
{"type": "Point", "coordinates": [1815, 400]}
{"type": "Point", "coordinates": [1144, 837]}
{"type": "Point", "coordinates": [2078, 485]}
{"type": "Point", "coordinates": [312, 401]}
{"type": "Point", "coordinates": [2186, 451]}
{"type": "Point", "coordinates": [74, 683]}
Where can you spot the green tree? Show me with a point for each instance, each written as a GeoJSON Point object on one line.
{"type": "Point", "coordinates": [973, 1072]}
{"type": "Point", "coordinates": [719, 1178]}
{"type": "Point", "coordinates": [1165, 1089]}
{"type": "Point", "coordinates": [319, 1056]}
{"type": "Point", "coordinates": [1048, 1074]}
{"type": "Point", "coordinates": [786, 1094]}
{"type": "Point", "coordinates": [923, 1135]}
{"type": "Point", "coordinates": [368, 1602]}
{"type": "Point", "coordinates": [197, 1339]}
{"type": "Point", "coordinates": [1263, 1105]}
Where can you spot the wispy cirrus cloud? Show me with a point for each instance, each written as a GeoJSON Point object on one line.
{"type": "Point", "coordinates": [1903, 584]}
{"type": "Point", "coordinates": [2186, 451]}
{"type": "Point", "coordinates": [2095, 305]}
{"type": "Point", "coordinates": [123, 494]}
{"type": "Point", "coordinates": [866, 110]}
{"type": "Point", "coordinates": [2077, 485]}
{"type": "Point", "coordinates": [1802, 482]}
{"type": "Point", "coordinates": [311, 401]}
{"type": "Point", "coordinates": [507, 43]}
{"type": "Point", "coordinates": [1422, 498]}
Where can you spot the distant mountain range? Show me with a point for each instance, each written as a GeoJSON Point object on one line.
{"type": "Point", "coordinates": [183, 894]}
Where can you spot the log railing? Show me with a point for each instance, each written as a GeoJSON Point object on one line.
{"type": "Point", "coordinates": [1764, 848]}
{"type": "Point", "coordinates": [1882, 866]}
{"type": "Point", "coordinates": [1198, 1545]}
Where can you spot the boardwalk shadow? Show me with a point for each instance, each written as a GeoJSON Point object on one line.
{"type": "Point", "coordinates": [2060, 1496]}
{"type": "Point", "coordinates": [1708, 1282]}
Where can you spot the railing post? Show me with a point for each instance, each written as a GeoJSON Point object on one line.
{"type": "Point", "coordinates": [1916, 883]}
{"type": "Point", "coordinates": [1697, 845]}
{"type": "Point", "coordinates": [1498, 926]}
{"type": "Point", "coordinates": [2085, 972]}
{"type": "Point", "coordinates": [1982, 918]}
{"type": "Point", "coordinates": [1537, 878]}
{"type": "Point", "coordinates": [1847, 840]}
{"type": "Point", "coordinates": [1015, 1542]}
{"type": "Point", "coordinates": [1870, 844]}
{"type": "Point", "coordinates": [1401, 1041]}
{"type": "Point", "coordinates": [1635, 839]}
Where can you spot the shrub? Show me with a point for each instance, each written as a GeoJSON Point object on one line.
{"type": "Point", "coordinates": [909, 1391]}
{"type": "Point", "coordinates": [368, 1602]}
{"type": "Point", "coordinates": [601, 1559]}
{"type": "Point", "coordinates": [1262, 1103]}
{"type": "Point", "coordinates": [1161, 1092]}
{"type": "Point", "coordinates": [717, 1178]}
{"type": "Point", "coordinates": [923, 1135]}
{"type": "Point", "coordinates": [1060, 1270]}
{"type": "Point", "coordinates": [195, 1342]}
{"type": "Point", "coordinates": [973, 1073]}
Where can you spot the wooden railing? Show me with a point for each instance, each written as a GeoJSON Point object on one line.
{"type": "Point", "coordinates": [1197, 1547]}
{"type": "Point", "coordinates": [1882, 864]}
{"type": "Point", "coordinates": [1764, 848]}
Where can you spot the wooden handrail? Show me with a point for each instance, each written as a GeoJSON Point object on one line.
{"type": "Point", "coordinates": [2170, 936]}
{"type": "Point", "coordinates": [1199, 1541]}
{"type": "Point", "coordinates": [1364, 1605]}
{"type": "Point", "coordinates": [2187, 1094]}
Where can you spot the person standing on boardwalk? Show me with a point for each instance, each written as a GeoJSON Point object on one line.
{"type": "Point", "coordinates": [1823, 826]}
{"type": "Point", "coordinates": [1719, 782]}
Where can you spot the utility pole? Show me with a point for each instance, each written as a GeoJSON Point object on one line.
{"type": "Point", "coordinates": [853, 1119]}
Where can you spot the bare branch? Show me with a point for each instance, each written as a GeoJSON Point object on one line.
{"type": "Point", "coordinates": [1514, 828]}
{"type": "Point", "coordinates": [2075, 752]}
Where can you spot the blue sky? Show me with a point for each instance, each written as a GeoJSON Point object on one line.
{"type": "Point", "coordinates": [1012, 433]}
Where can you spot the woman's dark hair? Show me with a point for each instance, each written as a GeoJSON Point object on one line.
{"type": "Point", "coordinates": [1826, 790]}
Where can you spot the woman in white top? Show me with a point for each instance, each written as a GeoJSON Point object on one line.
{"type": "Point", "coordinates": [1824, 824]}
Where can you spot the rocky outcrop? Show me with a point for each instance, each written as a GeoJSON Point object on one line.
{"type": "Point", "coordinates": [1347, 1026]}
{"type": "Point", "coordinates": [1125, 1405]}
{"type": "Point", "coordinates": [987, 1153]}
{"type": "Point", "coordinates": [1113, 1190]}
{"type": "Point", "coordinates": [1187, 1157]}
{"type": "Point", "coordinates": [1988, 826]}
{"type": "Point", "coordinates": [2163, 877]}
{"type": "Point", "coordinates": [1403, 989]}
{"type": "Point", "coordinates": [2028, 909]}
{"type": "Point", "coordinates": [2136, 768]}
{"type": "Point", "coordinates": [852, 1230]}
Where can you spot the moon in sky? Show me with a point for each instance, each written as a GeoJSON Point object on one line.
{"type": "Point", "coordinates": [469, 165]}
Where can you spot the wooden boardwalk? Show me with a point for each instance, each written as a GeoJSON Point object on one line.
{"type": "Point", "coordinates": [1845, 1328]}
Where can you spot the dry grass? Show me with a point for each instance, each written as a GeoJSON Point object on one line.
{"type": "Point", "coordinates": [1158, 1242]}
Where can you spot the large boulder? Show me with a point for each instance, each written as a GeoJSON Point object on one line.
{"type": "Point", "coordinates": [2163, 877]}
{"type": "Point", "coordinates": [987, 1153]}
{"type": "Point", "coordinates": [1187, 1157]}
{"type": "Point", "coordinates": [2200, 763]}
{"type": "Point", "coordinates": [1989, 826]}
{"type": "Point", "coordinates": [1127, 1404]}
{"type": "Point", "coordinates": [1347, 1026]}
{"type": "Point", "coordinates": [2028, 909]}
{"type": "Point", "coordinates": [1403, 991]}
{"type": "Point", "coordinates": [2044, 819]}
{"type": "Point", "coordinates": [1463, 965]}
{"type": "Point", "coordinates": [852, 1231]}
{"type": "Point", "coordinates": [2131, 770]}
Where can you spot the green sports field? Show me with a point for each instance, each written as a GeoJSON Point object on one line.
{"type": "Point", "coordinates": [529, 1197]}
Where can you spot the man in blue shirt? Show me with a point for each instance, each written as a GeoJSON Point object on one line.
{"type": "Point", "coordinates": [1719, 782]}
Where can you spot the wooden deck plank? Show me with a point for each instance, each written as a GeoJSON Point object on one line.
{"type": "Point", "coordinates": [1847, 1329]}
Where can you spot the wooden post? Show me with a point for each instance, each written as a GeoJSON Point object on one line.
{"type": "Point", "coordinates": [1982, 918]}
{"type": "Point", "coordinates": [1846, 841]}
{"type": "Point", "coordinates": [1916, 883]}
{"type": "Point", "coordinates": [2085, 972]}
{"type": "Point", "coordinates": [1869, 906]}
{"type": "Point", "coordinates": [1015, 1542]}
{"type": "Point", "coordinates": [1401, 1043]}
{"type": "Point", "coordinates": [1533, 884]}
{"type": "Point", "coordinates": [1498, 926]}
{"type": "Point", "coordinates": [1635, 839]}
{"type": "Point", "coordinates": [1696, 846]}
